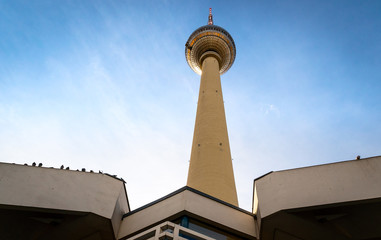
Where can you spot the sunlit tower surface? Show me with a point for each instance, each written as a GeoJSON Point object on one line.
{"type": "Point", "coordinates": [210, 51]}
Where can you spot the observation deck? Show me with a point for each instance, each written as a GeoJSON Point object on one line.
{"type": "Point", "coordinates": [210, 40]}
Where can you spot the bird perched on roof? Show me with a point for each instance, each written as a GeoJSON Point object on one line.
{"type": "Point", "coordinates": [40, 164]}
{"type": "Point", "coordinates": [62, 167]}
{"type": "Point", "coordinates": [33, 164]}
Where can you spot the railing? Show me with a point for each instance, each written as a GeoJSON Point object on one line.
{"type": "Point", "coordinates": [169, 231]}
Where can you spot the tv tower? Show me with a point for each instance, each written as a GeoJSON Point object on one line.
{"type": "Point", "coordinates": [210, 51]}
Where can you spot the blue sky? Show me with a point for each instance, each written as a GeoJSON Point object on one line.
{"type": "Point", "coordinates": [104, 85]}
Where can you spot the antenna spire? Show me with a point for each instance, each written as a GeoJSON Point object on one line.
{"type": "Point", "coordinates": [210, 19]}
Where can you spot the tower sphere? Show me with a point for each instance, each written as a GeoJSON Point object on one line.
{"type": "Point", "coordinates": [210, 40]}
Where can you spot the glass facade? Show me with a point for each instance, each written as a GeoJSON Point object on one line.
{"type": "Point", "coordinates": [204, 229]}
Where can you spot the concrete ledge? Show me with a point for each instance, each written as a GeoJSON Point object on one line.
{"type": "Point", "coordinates": [318, 185]}
{"type": "Point", "coordinates": [67, 190]}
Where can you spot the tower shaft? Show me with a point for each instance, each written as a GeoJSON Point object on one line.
{"type": "Point", "coordinates": [211, 169]}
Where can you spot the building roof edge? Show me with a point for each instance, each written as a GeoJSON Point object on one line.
{"type": "Point", "coordinates": [182, 190]}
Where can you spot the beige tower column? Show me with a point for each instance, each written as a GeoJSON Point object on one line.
{"type": "Point", "coordinates": [211, 169]}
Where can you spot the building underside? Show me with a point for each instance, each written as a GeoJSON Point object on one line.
{"type": "Point", "coordinates": [331, 201]}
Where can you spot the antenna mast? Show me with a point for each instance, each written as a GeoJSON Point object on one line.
{"type": "Point", "coordinates": [210, 19]}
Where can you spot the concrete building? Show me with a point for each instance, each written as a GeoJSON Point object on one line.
{"type": "Point", "coordinates": [47, 203]}
{"type": "Point", "coordinates": [332, 201]}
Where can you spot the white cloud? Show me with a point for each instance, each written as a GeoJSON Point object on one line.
{"type": "Point", "coordinates": [270, 109]}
